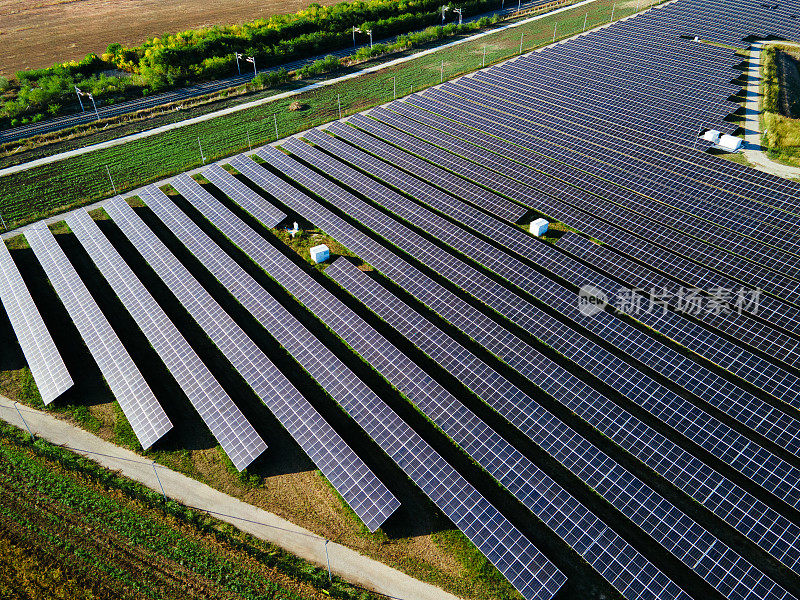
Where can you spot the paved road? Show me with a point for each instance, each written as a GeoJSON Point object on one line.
{"type": "Point", "coordinates": [130, 106]}
{"type": "Point", "coordinates": [752, 110]}
{"type": "Point", "coordinates": [346, 563]}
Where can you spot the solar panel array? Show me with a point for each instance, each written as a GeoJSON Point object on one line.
{"type": "Point", "coordinates": [767, 469]}
{"type": "Point", "coordinates": [45, 362]}
{"type": "Point", "coordinates": [747, 409]}
{"type": "Point", "coordinates": [356, 483]}
{"type": "Point", "coordinates": [145, 415]}
{"type": "Point", "coordinates": [242, 443]}
{"type": "Point", "coordinates": [225, 420]}
{"type": "Point", "coordinates": [265, 212]}
{"type": "Point", "coordinates": [429, 191]}
{"type": "Point", "coordinates": [348, 204]}
{"type": "Point", "coordinates": [614, 558]}
{"type": "Point", "coordinates": [502, 543]}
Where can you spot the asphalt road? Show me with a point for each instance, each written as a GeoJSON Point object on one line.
{"type": "Point", "coordinates": [200, 89]}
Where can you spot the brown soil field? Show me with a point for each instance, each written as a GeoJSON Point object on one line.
{"type": "Point", "coordinates": [39, 33]}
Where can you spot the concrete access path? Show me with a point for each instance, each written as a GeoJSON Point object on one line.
{"type": "Point", "coordinates": [753, 150]}
{"type": "Point", "coordinates": [344, 562]}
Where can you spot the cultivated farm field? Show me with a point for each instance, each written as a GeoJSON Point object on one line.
{"type": "Point", "coordinates": [39, 33]}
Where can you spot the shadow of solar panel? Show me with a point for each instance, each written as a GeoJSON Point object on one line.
{"type": "Point", "coordinates": [46, 365]}
{"type": "Point", "coordinates": [144, 413]}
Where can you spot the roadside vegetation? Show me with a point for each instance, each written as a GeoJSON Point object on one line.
{"type": "Point", "coordinates": [780, 103]}
{"type": "Point", "coordinates": [42, 191]}
{"type": "Point", "coordinates": [176, 60]}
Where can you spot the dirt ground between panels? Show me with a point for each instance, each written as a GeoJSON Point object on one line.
{"type": "Point", "coordinates": [38, 33]}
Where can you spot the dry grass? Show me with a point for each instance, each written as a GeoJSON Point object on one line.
{"type": "Point", "coordinates": [39, 33]}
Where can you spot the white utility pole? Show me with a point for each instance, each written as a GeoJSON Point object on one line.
{"type": "Point", "coordinates": [78, 93]}
{"type": "Point", "coordinates": [586, 18]}
{"type": "Point", "coordinates": [252, 59]}
{"type": "Point", "coordinates": [238, 56]}
{"type": "Point", "coordinates": [484, 55]}
{"type": "Point", "coordinates": [441, 74]}
{"type": "Point", "coordinates": [202, 157]}
{"type": "Point", "coordinates": [111, 180]}
{"type": "Point", "coordinates": [276, 126]}
{"type": "Point", "coordinates": [458, 12]}
{"type": "Point", "coordinates": [555, 28]}
{"type": "Point", "coordinates": [339, 102]}
{"type": "Point", "coordinates": [612, 12]}
{"type": "Point", "coordinates": [521, 36]}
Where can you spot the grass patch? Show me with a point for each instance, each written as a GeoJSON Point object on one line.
{"type": "Point", "coordinates": [780, 135]}
{"type": "Point", "coordinates": [85, 532]}
{"type": "Point", "coordinates": [309, 237]}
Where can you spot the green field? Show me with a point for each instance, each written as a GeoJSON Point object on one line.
{"type": "Point", "coordinates": [71, 529]}
{"type": "Point", "coordinates": [49, 189]}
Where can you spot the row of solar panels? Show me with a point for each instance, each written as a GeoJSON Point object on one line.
{"type": "Point", "coordinates": [633, 574]}
{"type": "Point", "coordinates": [462, 152]}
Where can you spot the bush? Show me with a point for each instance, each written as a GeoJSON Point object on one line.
{"type": "Point", "coordinates": [4, 84]}
{"type": "Point", "coordinates": [270, 79]}
{"type": "Point", "coordinates": [323, 65]}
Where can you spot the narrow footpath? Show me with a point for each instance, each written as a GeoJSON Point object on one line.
{"type": "Point", "coordinates": [752, 128]}
{"type": "Point", "coordinates": [344, 562]}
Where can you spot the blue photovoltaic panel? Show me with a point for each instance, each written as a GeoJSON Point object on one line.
{"type": "Point", "coordinates": [514, 471]}
{"type": "Point", "coordinates": [218, 411]}
{"type": "Point", "coordinates": [746, 408]}
{"type": "Point", "coordinates": [719, 574]}
{"type": "Point", "coordinates": [46, 365]}
{"type": "Point", "coordinates": [502, 543]}
{"type": "Point", "coordinates": [728, 444]}
{"type": "Point", "coordinates": [212, 318]}
{"type": "Point", "coordinates": [356, 483]}
{"type": "Point", "coordinates": [144, 413]}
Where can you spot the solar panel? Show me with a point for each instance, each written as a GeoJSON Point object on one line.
{"type": "Point", "coordinates": [514, 471]}
{"type": "Point", "coordinates": [46, 365]}
{"type": "Point", "coordinates": [355, 482]}
{"type": "Point", "coordinates": [566, 446]}
{"type": "Point", "coordinates": [744, 329]}
{"type": "Point", "coordinates": [237, 191]}
{"type": "Point", "coordinates": [557, 172]}
{"type": "Point", "coordinates": [773, 532]}
{"type": "Point", "coordinates": [528, 570]}
{"type": "Point", "coordinates": [144, 413]}
{"type": "Point", "coordinates": [230, 427]}
{"type": "Point", "coordinates": [560, 201]}
{"type": "Point", "coordinates": [215, 323]}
